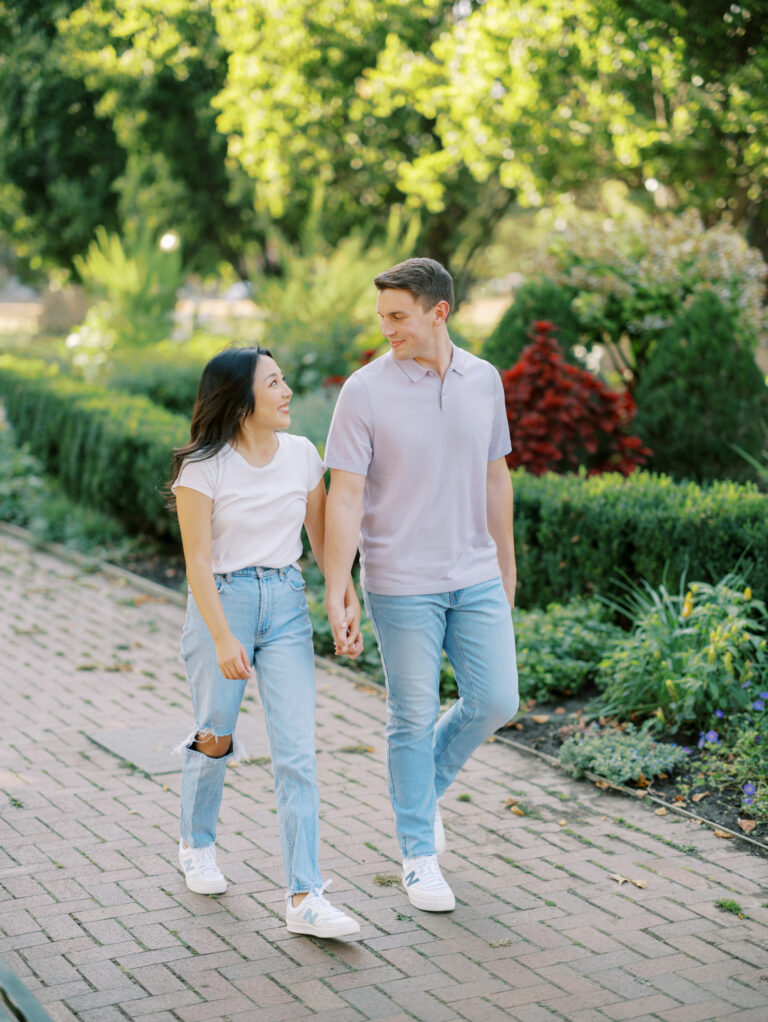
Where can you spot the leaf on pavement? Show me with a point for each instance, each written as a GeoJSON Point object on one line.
{"type": "Point", "coordinates": [640, 883]}
{"type": "Point", "coordinates": [660, 812]}
{"type": "Point", "coordinates": [747, 825]}
{"type": "Point", "coordinates": [619, 878]}
{"type": "Point", "coordinates": [540, 718]}
{"type": "Point", "coordinates": [722, 833]}
{"type": "Point", "coordinates": [699, 796]}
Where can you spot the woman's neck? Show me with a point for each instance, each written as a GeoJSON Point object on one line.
{"type": "Point", "coordinates": [258, 446]}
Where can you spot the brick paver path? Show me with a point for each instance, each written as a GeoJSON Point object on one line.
{"type": "Point", "coordinates": [95, 918]}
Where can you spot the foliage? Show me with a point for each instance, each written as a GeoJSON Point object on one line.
{"type": "Point", "coordinates": [620, 755]}
{"type": "Point", "coordinates": [311, 414]}
{"type": "Point", "coordinates": [572, 534]}
{"type": "Point", "coordinates": [559, 648]}
{"type": "Point", "coordinates": [137, 284]}
{"type": "Point", "coordinates": [734, 749]}
{"type": "Point", "coordinates": [562, 418]}
{"type": "Point", "coordinates": [632, 279]}
{"type": "Point", "coordinates": [536, 300]}
{"type": "Point", "coordinates": [168, 373]}
{"type": "Point", "coordinates": [111, 451]}
{"type": "Point", "coordinates": [687, 655]}
{"type": "Point", "coordinates": [701, 394]}
{"type": "Point", "coordinates": [35, 502]}
{"type": "Point", "coordinates": [319, 312]}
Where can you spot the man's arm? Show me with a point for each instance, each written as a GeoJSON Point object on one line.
{"type": "Point", "coordinates": [500, 504]}
{"type": "Point", "coordinates": [343, 515]}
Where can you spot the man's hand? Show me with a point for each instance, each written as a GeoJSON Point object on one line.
{"type": "Point", "coordinates": [231, 657]}
{"type": "Point", "coordinates": [344, 619]}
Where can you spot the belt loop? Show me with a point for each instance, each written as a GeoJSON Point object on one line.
{"type": "Point", "coordinates": [258, 572]}
{"type": "Point", "coordinates": [228, 577]}
{"type": "Point", "coordinates": [282, 574]}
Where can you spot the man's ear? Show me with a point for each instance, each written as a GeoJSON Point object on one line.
{"type": "Point", "coordinates": [440, 312]}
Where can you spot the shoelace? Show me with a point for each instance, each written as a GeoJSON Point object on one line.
{"type": "Point", "coordinates": [430, 874]}
{"type": "Point", "coordinates": [205, 860]}
{"type": "Point", "coordinates": [319, 896]}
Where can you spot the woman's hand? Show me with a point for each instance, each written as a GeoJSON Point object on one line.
{"type": "Point", "coordinates": [352, 616]}
{"type": "Point", "coordinates": [231, 657]}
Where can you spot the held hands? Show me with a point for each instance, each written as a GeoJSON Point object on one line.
{"type": "Point", "coordinates": [231, 657]}
{"type": "Point", "coordinates": [344, 619]}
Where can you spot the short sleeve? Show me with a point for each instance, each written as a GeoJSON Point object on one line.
{"type": "Point", "coordinates": [350, 439]}
{"type": "Point", "coordinates": [500, 443]}
{"type": "Point", "coordinates": [315, 466]}
{"type": "Point", "coordinates": [198, 475]}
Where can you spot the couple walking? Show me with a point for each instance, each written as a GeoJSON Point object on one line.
{"type": "Point", "coordinates": [419, 482]}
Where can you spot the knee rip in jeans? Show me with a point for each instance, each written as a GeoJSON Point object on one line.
{"type": "Point", "coordinates": [200, 735]}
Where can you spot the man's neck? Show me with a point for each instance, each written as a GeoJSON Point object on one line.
{"type": "Point", "coordinates": [440, 357]}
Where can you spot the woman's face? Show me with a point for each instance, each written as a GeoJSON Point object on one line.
{"type": "Point", "coordinates": [271, 394]}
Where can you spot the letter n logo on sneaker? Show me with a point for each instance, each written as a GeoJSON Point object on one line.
{"type": "Point", "coordinates": [311, 916]}
{"type": "Point", "coordinates": [411, 878]}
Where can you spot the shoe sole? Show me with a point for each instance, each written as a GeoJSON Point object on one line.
{"type": "Point", "coordinates": [313, 931]}
{"type": "Point", "coordinates": [438, 904]}
{"type": "Point", "coordinates": [201, 888]}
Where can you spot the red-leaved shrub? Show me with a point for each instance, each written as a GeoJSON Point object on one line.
{"type": "Point", "coordinates": [561, 417]}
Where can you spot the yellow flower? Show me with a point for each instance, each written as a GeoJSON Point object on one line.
{"type": "Point", "coordinates": [711, 654]}
{"type": "Point", "coordinates": [688, 605]}
{"type": "Point", "coordinates": [747, 593]}
{"type": "Point", "coordinates": [728, 661]}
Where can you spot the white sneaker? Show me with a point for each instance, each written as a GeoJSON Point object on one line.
{"type": "Point", "coordinates": [316, 916]}
{"type": "Point", "coordinates": [202, 874]}
{"type": "Point", "coordinates": [425, 885]}
{"type": "Point", "coordinates": [439, 831]}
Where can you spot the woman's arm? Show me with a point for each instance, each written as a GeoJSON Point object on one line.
{"type": "Point", "coordinates": [314, 523]}
{"type": "Point", "coordinates": [194, 511]}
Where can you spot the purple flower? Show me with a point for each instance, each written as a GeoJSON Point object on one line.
{"type": "Point", "coordinates": [746, 684]}
{"type": "Point", "coordinates": [758, 739]}
{"type": "Point", "coordinates": [749, 788]}
{"type": "Point", "coordinates": [747, 801]}
{"type": "Point", "coordinates": [758, 704]}
{"type": "Point", "coordinates": [764, 695]}
{"type": "Point", "coordinates": [687, 750]}
{"type": "Point", "coordinates": [719, 714]}
{"type": "Point", "coordinates": [712, 736]}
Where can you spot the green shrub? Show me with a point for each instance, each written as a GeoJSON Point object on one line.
{"type": "Point", "coordinates": [574, 534]}
{"type": "Point", "coordinates": [559, 649]}
{"type": "Point", "coordinates": [701, 393]}
{"type": "Point", "coordinates": [620, 756]}
{"type": "Point", "coordinates": [535, 300]}
{"type": "Point", "coordinates": [111, 451]}
{"type": "Point", "coordinates": [35, 502]}
{"type": "Point", "coordinates": [167, 373]}
{"type": "Point", "coordinates": [688, 654]}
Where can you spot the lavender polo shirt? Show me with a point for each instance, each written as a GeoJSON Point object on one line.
{"type": "Point", "coordinates": [423, 445]}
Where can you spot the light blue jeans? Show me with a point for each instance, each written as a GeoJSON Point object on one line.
{"type": "Point", "coordinates": [474, 627]}
{"type": "Point", "coordinates": [266, 609]}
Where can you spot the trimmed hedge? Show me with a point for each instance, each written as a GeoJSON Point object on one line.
{"type": "Point", "coordinates": [575, 535]}
{"type": "Point", "coordinates": [109, 450]}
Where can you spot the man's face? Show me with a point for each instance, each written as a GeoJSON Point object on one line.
{"type": "Point", "coordinates": [405, 323]}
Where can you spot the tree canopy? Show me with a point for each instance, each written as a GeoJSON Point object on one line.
{"type": "Point", "coordinates": [219, 118]}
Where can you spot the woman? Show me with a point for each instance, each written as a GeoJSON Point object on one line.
{"type": "Point", "coordinates": [242, 492]}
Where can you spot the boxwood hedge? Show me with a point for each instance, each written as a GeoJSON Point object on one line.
{"type": "Point", "coordinates": [574, 534]}
{"type": "Point", "coordinates": [110, 450]}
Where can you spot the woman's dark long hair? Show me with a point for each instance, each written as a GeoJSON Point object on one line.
{"type": "Point", "coordinates": [224, 399]}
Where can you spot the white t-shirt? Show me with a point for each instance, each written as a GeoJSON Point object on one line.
{"type": "Point", "coordinates": [257, 512]}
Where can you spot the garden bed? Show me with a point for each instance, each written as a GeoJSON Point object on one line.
{"type": "Point", "coordinates": [544, 728]}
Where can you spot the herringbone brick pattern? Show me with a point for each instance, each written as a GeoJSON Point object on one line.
{"type": "Point", "coordinates": [96, 920]}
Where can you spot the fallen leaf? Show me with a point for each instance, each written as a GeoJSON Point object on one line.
{"type": "Point", "coordinates": [492, 738]}
{"type": "Point", "coordinates": [359, 747]}
{"type": "Point", "coordinates": [602, 784]}
{"type": "Point", "coordinates": [640, 883]}
{"type": "Point", "coordinates": [563, 823]}
{"type": "Point", "coordinates": [722, 833]}
{"type": "Point", "coordinates": [660, 812]}
{"type": "Point", "coordinates": [511, 802]}
{"type": "Point", "coordinates": [747, 825]}
{"type": "Point", "coordinates": [166, 788]}
{"type": "Point", "coordinates": [699, 796]}
{"type": "Point", "coordinates": [516, 810]}
{"type": "Point", "coordinates": [133, 812]}
{"type": "Point", "coordinates": [679, 798]}
{"type": "Point", "coordinates": [642, 782]}
{"type": "Point", "coordinates": [540, 718]}
{"type": "Point", "coordinates": [561, 709]}
{"type": "Point", "coordinates": [619, 878]}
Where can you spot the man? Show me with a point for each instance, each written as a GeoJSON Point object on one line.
{"type": "Point", "coordinates": [416, 451]}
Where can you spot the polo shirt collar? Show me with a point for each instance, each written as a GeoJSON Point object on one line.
{"type": "Point", "coordinates": [416, 372]}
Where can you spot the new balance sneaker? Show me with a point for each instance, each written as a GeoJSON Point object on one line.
{"type": "Point", "coordinates": [425, 885]}
{"type": "Point", "coordinates": [202, 874]}
{"type": "Point", "coordinates": [316, 916]}
{"type": "Point", "coordinates": [439, 831]}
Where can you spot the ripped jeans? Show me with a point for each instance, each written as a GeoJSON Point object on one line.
{"type": "Point", "coordinates": [267, 611]}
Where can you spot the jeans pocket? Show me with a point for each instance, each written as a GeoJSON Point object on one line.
{"type": "Point", "coordinates": [295, 580]}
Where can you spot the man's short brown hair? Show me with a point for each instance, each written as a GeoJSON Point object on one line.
{"type": "Point", "coordinates": [426, 279]}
